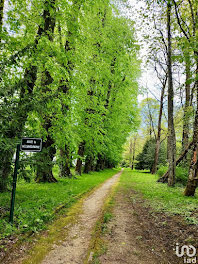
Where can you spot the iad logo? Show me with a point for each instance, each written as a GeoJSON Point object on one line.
{"type": "Point", "coordinates": [188, 252]}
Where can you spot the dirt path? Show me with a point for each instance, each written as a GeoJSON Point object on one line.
{"type": "Point", "coordinates": [124, 236]}
{"type": "Point", "coordinates": [137, 234]}
{"type": "Point", "coordinates": [74, 248]}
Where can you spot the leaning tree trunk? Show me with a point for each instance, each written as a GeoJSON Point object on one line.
{"type": "Point", "coordinates": [157, 147]}
{"type": "Point", "coordinates": [193, 170]}
{"type": "Point", "coordinates": [171, 130]}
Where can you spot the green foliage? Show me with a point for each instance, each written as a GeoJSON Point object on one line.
{"type": "Point", "coordinates": [181, 174]}
{"type": "Point", "coordinates": [160, 196]}
{"type": "Point", "coordinates": [146, 157]}
{"type": "Point", "coordinates": [35, 205]}
{"type": "Point", "coordinates": [69, 75]}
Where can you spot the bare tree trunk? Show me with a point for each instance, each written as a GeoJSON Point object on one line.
{"type": "Point", "coordinates": [171, 130]}
{"type": "Point", "coordinates": [157, 147]}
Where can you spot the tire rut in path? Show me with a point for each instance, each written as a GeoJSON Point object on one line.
{"type": "Point", "coordinates": [74, 247]}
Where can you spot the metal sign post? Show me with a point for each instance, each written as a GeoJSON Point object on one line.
{"type": "Point", "coordinates": [29, 145]}
{"type": "Point", "coordinates": [14, 183]}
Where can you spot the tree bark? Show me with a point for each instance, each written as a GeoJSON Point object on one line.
{"type": "Point", "coordinates": [171, 131]}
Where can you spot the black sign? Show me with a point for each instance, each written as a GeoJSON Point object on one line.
{"type": "Point", "coordinates": [31, 144]}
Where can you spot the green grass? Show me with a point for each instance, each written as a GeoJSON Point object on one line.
{"type": "Point", "coordinates": [160, 196]}
{"type": "Point", "coordinates": [36, 203]}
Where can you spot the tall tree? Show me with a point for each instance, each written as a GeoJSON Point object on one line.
{"type": "Point", "coordinates": [171, 148]}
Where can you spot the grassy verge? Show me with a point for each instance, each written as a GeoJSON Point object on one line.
{"type": "Point", "coordinates": [37, 204]}
{"type": "Point", "coordinates": [160, 196]}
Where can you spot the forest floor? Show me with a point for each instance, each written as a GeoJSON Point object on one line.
{"type": "Point", "coordinates": [114, 224]}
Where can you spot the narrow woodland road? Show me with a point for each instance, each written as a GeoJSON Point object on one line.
{"type": "Point", "coordinates": [75, 246]}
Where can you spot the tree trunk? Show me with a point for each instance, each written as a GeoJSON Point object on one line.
{"type": "Point", "coordinates": [185, 137]}
{"type": "Point", "coordinates": [157, 147]}
{"type": "Point", "coordinates": [65, 163]}
{"type": "Point", "coordinates": [171, 130]}
{"type": "Point", "coordinates": [88, 164]}
{"type": "Point", "coordinates": [81, 150]}
{"type": "Point", "coordinates": [193, 170]}
{"type": "Point", "coordinates": [130, 152]}
{"type": "Point", "coordinates": [133, 156]}
{"type": "Point", "coordinates": [45, 161]}
{"type": "Point", "coordinates": [100, 163]}
{"type": "Point", "coordinates": [193, 175]}
{"type": "Point", "coordinates": [44, 170]}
